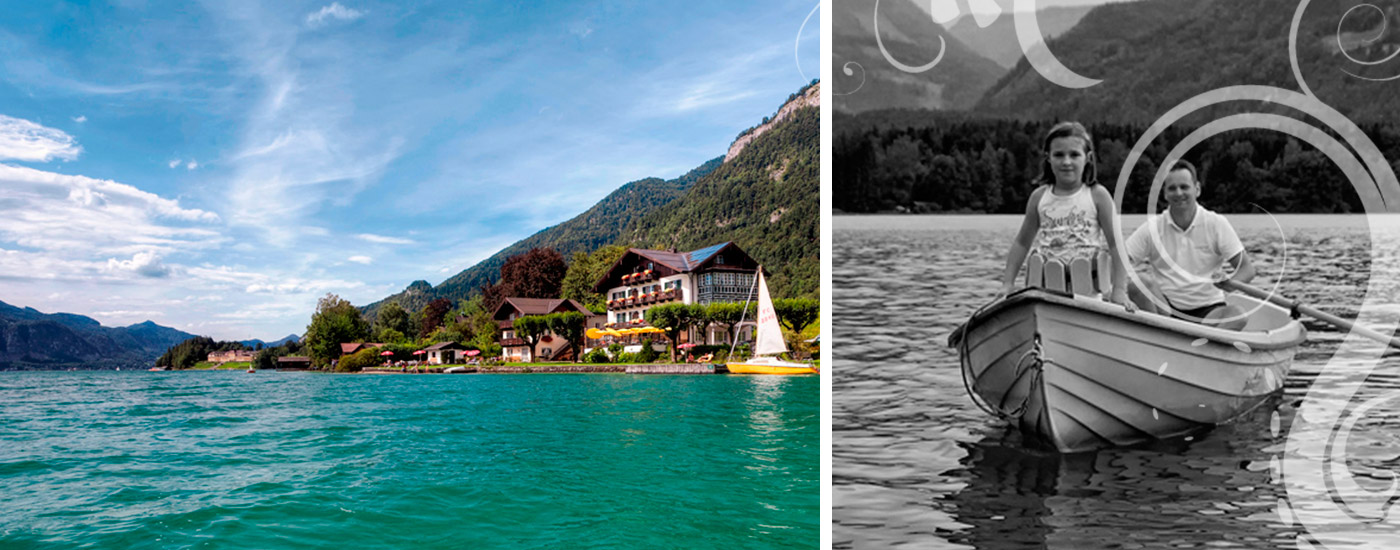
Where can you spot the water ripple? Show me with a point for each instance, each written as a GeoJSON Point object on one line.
{"type": "Point", "coordinates": [915, 463]}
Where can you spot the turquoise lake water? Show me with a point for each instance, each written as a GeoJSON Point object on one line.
{"type": "Point", "coordinates": [299, 460]}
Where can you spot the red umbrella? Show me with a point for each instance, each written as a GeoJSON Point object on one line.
{"type": "Point", "coordinates": [419, 352]}
{"type": "Point", "coordinates": [686, 346]}
{"type": "Point", "coordinates": [386, 352]}
{"type": "Point", "coordinates": [473, 353]}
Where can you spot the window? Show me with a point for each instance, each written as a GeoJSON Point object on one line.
{"type": "Point", "coordinates": [544, 352]}
{"type": "Point", "coordinates": [719, 259]}
{"type": "Point", "coordinates": [651, 265]}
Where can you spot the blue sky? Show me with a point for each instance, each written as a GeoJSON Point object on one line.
{"type": "Point", "coordinates": [218, 166]}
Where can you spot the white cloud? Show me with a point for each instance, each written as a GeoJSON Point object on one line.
{"type": "Point", "coordinates": [191, 165]}
{"type": "Point", "coordinates": [80, 119]}
{"type": "Point", "coordinates": [26, 141]}
{"type": "Point", "coordinates": [333, 11]}
{"type": "Point", "coordinates": [128, 313]}
{"type": "Point", "coordinates": [79, 223]}
{"type": "Point", "coordinates": [366, 260]}
{"type": "Point", "coordinates": [582, 28]}
{"type": "Point", "coordinates": [299, 286]}
{"type": "Point", "coordinates": [380, 239]}
{"type": "Point", "coordinates": [145, 264]}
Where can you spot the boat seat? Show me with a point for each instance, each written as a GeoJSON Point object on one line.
{"type": "Point", "coordinates": [1076, 278]}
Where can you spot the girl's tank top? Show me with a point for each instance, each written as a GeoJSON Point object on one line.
{"type": "Point", "coordinates": [1069, 226]}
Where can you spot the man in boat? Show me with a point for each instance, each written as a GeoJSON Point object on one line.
{"type": "Point", "coordinates": [1181, 264]}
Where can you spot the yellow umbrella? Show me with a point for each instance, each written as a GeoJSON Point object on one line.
{"type": "Point", "coordinates": [627, 332]}
{"type": "Point", "coordinates": [593, 333]}
{"type": "Point", "coordinates": [650, 329]}
{"type": "Point", "coordinates": [610, 332]}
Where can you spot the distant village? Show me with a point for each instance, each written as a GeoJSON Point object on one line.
{"type": "Point", "coordinates": [653, 311]}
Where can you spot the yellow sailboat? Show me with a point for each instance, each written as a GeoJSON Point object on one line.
{"type": "Point", "coordinates": [769, 343]}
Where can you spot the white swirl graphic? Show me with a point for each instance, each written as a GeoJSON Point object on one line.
{"type": "Point", "coordinates": [1293, 45]}
{"type": "Point", "coordinates": [846, 68]}
{"type": "Point", "coordinates": [1385, 22]}
{"type": "Point", "coordinates": [1322, 493]}
{"type": "Point", "coordinates": [942, 48]}
{"type": "Point", "coordinates": [1038, 54]}
{"type": "Point", "coordinates": [798, 41]}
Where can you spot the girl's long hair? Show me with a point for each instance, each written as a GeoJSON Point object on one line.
{"type": "Point", "coordinates": [1070, 129]}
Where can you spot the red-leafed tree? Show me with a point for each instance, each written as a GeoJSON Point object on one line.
{"type": "Point", "coordinates": [433, 314]}
{"type": "Point", "coordinates": [538, 273]}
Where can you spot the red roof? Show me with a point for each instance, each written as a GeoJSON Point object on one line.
{"type": "Point", "coordinates": [538, 306]}
{"type": "Point", "coordinates": [347, 349]}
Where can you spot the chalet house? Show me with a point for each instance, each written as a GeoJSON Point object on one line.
{"type": "Point", "coordinates": [347, 349]}
{"type": "Point", "coordinates": [549, 346]}
{"type": "Point", "coordinates": [644, 278]}
{"type": "Point", "coordinates": [231, 356]}
{"type": "Point", "coordinates": [443, 353]}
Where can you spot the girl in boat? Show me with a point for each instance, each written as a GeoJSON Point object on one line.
{"type": "Point", "coordinates": [1070, 215]}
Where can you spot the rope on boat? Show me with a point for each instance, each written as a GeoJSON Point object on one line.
{"type": "Point", "coordinates": [1038, 364]}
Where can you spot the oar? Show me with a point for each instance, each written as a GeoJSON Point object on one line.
{"type": "Point", "coordinates": [1293, 305]}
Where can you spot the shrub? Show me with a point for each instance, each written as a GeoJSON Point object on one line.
{"type": "Point", "coordinates": [597, 356]}
{"type": "Point", "coordinates": [357, 361]}
{"type": "Point", "coordinates": [648, 353]}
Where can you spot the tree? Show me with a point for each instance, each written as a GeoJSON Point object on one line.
{"type": "Point", "coordinates": [480, 329]}
{"type": "Point", "coordinates": [584, 271]}
{"type": "Point", "coordinates": [530, 328]}
{"type": "Point", "coordinates": [392, 316]}
{"type": "Point", "coordinates": [433, 313]}
{"type": "Point", "coordinates": [569, 326]}
{"type": "Point", "coordinates": [797, 313]}
{"type": "Point", "coordinates": [673, 319]}
{"type": "Point", "coordinates": [726, 314]}
{"type": "Point", "coordinates": [390, 336]}
{"type": "Point", "coordinates": [335, 322]}
{"type": "Point", "coordinates": [538, 273]}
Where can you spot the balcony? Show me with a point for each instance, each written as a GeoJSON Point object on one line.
{"type": "Point", "coordinates": [638, 277]}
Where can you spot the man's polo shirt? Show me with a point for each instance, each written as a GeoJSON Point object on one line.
{"type": "Point", "coordinates": [1189, 255]}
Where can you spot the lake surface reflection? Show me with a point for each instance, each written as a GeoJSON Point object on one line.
{"type": "Point", "coordinates": [915, 463]}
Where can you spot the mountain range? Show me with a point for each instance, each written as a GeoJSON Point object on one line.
{"type": "Point", "coordinates": [762, 194]}
{"type": "Point", "coordinates": [998, 41]}
{"type": "Point", "coordinates": [1154, 54]}
{"type": "Point", "coordinates": [911, 37]}
{"type": "Point", "coordinates": [32, 340]}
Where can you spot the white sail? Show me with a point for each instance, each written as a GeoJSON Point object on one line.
{"type": "Point", "coordinates": [770, 335]}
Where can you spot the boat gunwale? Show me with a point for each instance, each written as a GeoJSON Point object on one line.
{"type": "Point", "coordinates": [1289, 335]}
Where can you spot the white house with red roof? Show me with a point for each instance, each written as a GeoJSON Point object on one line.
{"type": "Point", "coordinates": [550, 345]}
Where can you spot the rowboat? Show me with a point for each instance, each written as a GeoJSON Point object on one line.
{"type": "Point", "coordinates": [769, 341]}
{"type": "Point", "coordinates": [1077, 373]}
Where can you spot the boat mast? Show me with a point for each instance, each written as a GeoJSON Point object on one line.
{"type": "Point", "coordinates": [735, 340]}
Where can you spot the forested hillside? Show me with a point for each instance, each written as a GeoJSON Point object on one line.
{"type": "Point", "coordinates": [961, 164]}
{"type": "Point", "coordinates": [586, 232]}
{"type": "Point", "coordinates": [765, 199]}
{"type": "Point", "coordinates": [1154, 54]}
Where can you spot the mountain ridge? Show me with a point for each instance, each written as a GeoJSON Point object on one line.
{"type": "Point", "coordinates": [617, 219]}
{"type": "Point", "coordinates": [33, 340]}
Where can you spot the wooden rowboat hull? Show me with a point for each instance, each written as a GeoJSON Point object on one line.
{"type": "Point", "coordinates": [1078, 373]}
